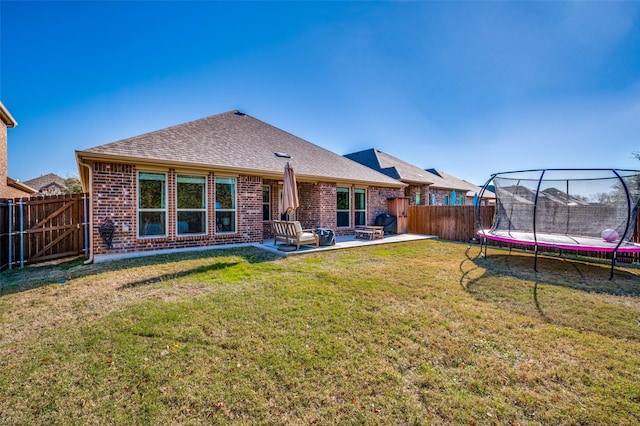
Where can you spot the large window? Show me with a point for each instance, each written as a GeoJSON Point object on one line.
{"type": "Point", "coordinates": [191, 204]}
{"type": "Point", "coordinates": [266, 203]}
{"type": "Point", "coordinates": [225, 205]}
{"type": "Point", "coordinates": [360, 206]}
{"type": "Point", "coordinates": [152, 204]}
{"type": "Point", "coordinates": [343, 208]}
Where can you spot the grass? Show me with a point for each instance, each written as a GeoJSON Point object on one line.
{"type": "Point", "coordinates": [422, 332]}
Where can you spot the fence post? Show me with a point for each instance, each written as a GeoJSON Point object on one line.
{"type": "Point", "coordinates": [10, 232]}
{"type": "Point", "coordinates": [21, 208]}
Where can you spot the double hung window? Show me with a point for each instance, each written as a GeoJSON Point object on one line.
{"type": "Point", "coordinates": [343, 207]}
{"type": "Point", "coordinates": [226, 205]}
{"type": "Point", "coordinates": [191, 204]}
{"type": "Point", "coordinates": [152, 204]}
{"type": "Point", "coordinates": [360, 206]}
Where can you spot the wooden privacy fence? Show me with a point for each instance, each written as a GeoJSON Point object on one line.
{"type": "Point", "coordinates": [40, 229]}
{"type": "Point", "coordinates": [458, 223]}
{"type": "Point", "coordinates": [454, 223]}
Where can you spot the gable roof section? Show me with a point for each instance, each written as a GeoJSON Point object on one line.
{"type": "Point", "coordinates": [405, 172]}
{"type": "Point", "coordinates": [237, 143]}
{"type": "Point", "coordinates": [460, 184]}
{"type": "Point", "coordinates": [46, 181]}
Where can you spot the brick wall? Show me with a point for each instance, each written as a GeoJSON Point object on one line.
{"type": "Point", "coordinates": [114, 198]}
{"type": "Point", "coordinates": [310, 201]}
{"type": "Point", "coordinates": [327, 202]}
{"type": "Point", "coordinates": [440, 193]}
{"type": "Point", "coordinates": [377, 201]}
{"type": "Point", "coordinates": [250, 208]}
{"type": "Point", "coordinates": [425, 195]}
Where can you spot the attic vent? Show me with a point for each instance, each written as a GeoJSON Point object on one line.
{"type": "Point", "coordinates": [282, 155]}
{"type": "Point", "coordinates": [240, 113]}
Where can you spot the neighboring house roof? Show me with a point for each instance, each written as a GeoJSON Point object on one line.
{"type": "Point", "coordinates": [6, 117]}
{"type": "Point", "coordinates": [461, 184]}
{"type": "Point", "coordinates": [47, 181]}
{"type": "Point", "coordinates": [401, 170]}
{"type": "Point", "coordinates": [237, 143]}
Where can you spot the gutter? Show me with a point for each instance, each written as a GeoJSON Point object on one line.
{"type": "Point", "coordinates": [6, 117]}
{"type": "Point", "coordinates": [271, 174]}
{"type": "Point", "coordinates": [90, 219]}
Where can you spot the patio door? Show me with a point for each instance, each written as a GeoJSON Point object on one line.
{"type": "Point", "coordinates": [292, 216]}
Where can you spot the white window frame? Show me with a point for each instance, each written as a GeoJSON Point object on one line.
{"type": "Point", "coordinates": [348, 209]}
{"type": "Point", "coordinates": [164, 210]}
{"type": "Point", "coordinates": [356, 210]}
{"type": "Point", "coordinates": [233, 210]}
{"type": "Point", "coordinates": [202, 210]}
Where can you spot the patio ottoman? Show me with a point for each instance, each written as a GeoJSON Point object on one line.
{"type": "Point", "coordinates": [326, 236]}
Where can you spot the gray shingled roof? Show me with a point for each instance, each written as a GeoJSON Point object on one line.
{"type": "Point", "coordinates": [237, 142]}
{"type": "Point", "coordinates": [405, 172]}
{"type": "Point", "coordinates": [461, 184]}
{"type": "Point", "coordinates": [45, 181]}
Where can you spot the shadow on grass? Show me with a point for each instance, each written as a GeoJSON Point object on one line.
{"type": "Point", "coordinates": [588, 276]}
{"type": "Point", "coordinates": [508, 281]}
{"type": "Point", "coordinates": [165, 277]}
{"type": "Point", "coordinates": [17, 280]}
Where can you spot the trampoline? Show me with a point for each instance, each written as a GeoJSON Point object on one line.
{"type": "Point", "coordinates": [569, 209]}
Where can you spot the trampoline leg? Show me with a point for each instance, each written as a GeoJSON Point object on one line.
{"type": "Point", "coordinates": [535, 259]}
{"type": "Point", "coordinates": [613, 263]}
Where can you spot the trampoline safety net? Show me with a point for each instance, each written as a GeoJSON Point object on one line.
{"type": "Point", "coordinates": [579, 209]}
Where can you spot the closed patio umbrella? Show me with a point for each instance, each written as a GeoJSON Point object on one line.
{"type": "Point", "coordinates": [290, 200]}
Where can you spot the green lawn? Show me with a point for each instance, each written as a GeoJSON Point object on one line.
{"type": "Point", "coordinates": [422, 332]}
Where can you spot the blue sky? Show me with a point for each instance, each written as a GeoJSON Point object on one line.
{"type": "Point", "coordinates": [471, 88]}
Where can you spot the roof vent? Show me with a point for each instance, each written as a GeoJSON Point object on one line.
{"type": "Point", "coordinates": [240, 113]}
{"type": "Point", "coordinates": [282, 155]}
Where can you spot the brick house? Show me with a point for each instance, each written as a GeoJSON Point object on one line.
{"type": "Point", "coordinates": [9, 188]}
{"type": "Point", "coordinates": [218, 180]}
{"type": "Point", "coordinates": [488, 197]}
{"type": "Point", "coordinates": [425, 187]}
{"type": "Point", "coordinates": [49, 184]}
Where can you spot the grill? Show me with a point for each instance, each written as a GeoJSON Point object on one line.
{"type": "Point", "coordinates": [388, 222]}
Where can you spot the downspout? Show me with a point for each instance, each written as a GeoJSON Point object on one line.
{"type": "Point", "coordinates": [90, 219]}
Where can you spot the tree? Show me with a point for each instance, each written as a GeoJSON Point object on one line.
{"type": "Point", "coordinates": [72, 185]}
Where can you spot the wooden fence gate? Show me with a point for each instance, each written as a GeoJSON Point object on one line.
{"type": "Point", "coordinates": [40, 229]}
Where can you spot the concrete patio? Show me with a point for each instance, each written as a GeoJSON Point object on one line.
{"type": "Point", "coordinates": [342, 242]}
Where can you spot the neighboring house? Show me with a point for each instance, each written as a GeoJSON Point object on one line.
{"type": "Point", "coordinates": [9, 188]}
{"type": "Point", "coordinates": [424, 188]}
{"type": "Point", "coordinates": [49, 184]}
{"type": "Point", "coordinates": [218, 180]}
{"type": "Point", "coordinates": [472, 190]}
